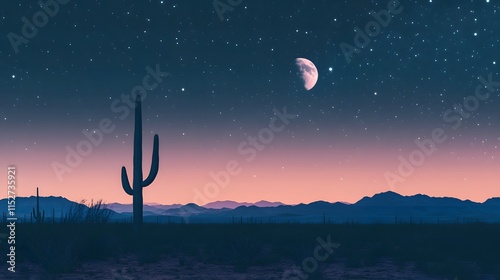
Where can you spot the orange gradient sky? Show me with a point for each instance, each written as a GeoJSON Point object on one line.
{"type": "Point", "coordinates": [292, 172]}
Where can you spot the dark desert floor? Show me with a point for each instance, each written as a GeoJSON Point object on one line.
{"type": "Point", "coordinates": [257, 251]}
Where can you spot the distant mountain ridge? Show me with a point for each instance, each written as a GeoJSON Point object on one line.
{"type": "Point", "coordinates": [233, 204]}
{"type": "Point", "coordinates": [387, 207]}
{"type": "Point", "coordinates": [160, 208]}
{"type": "Point", "coordinates": [153, 208]}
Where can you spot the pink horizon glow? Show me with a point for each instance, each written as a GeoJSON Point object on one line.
{"type": "Point", "coordinates": [282, 174]}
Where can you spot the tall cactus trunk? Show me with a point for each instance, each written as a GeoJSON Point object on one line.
{"type": "Point", "coordinates": [138, 200]}
{"type": "Point", "coordinates": [39, 216]}
{"type": "Point", "coordinates": [138, 183]}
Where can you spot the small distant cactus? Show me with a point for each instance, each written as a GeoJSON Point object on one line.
{"type": "Point", "coordinates": [138, 183]}
{"type": "Point", "coordinates": [39, 217]}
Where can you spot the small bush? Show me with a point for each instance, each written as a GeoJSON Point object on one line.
{"type": "Point", "coordinates": [241, 253]}
{"type": "Point", "coordinates": [92, 212]}
{"type": "Point", "coordinates": [57, 255]}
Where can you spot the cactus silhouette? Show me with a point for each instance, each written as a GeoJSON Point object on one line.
{"type": "Point", "coordinates": [39, 217]}
{"type": "Point", "coordinates": [138, 183]}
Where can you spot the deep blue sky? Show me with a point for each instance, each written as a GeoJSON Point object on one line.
{"type": "Point", "coordinates": [227, 76]}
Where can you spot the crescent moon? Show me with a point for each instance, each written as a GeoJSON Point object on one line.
{"type": "Point", "coordinates": [308, 72]}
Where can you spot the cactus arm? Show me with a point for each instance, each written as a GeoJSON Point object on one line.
{"type": "Point", "coordinates": [155, 163]}
{"type": "Point", "coordinates": [126, 183]}
{"type": "Point", "coordinates": [138, 183]}
{"type": "Point", "coordinates": [39, 216]}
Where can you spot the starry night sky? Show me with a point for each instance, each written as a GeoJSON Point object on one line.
{"type": "Point", "coordinates": [225, 78]}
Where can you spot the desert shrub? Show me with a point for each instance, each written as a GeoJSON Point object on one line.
{"type": "Point", "coordinates": [241, 253]}
{"type": "Point", "coordinates": [57, 252]}
{"type": "Point", "coordinates": [92, 212]}
{"type": "Point", "coordinates": [300, 254]}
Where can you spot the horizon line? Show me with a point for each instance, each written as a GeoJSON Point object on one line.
{"type": "Point", "coordinates": [264, 200]}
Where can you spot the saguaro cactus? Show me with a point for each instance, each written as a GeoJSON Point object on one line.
{"type": "Point", "coordinates": [39, 217]}
{"type": "Point", "coordinates": [138, 183]}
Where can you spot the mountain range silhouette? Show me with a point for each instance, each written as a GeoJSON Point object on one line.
{"type": "Point", "coordinates": [387, 207]}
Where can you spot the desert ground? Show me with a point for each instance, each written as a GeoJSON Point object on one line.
{"type": "Point", "coordinates": [256, 251]}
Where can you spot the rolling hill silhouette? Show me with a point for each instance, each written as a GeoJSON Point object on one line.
{"type": "Point", "coordinates": [387, 207]}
